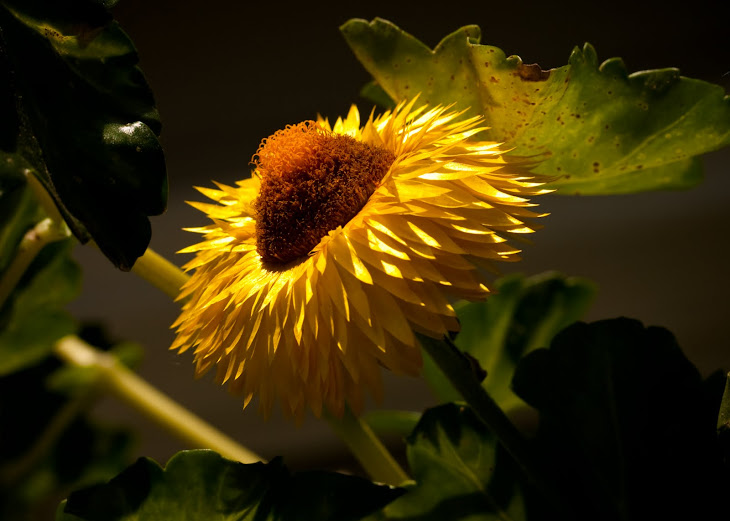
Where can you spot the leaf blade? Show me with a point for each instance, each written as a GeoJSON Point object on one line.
{"type": "Point", "coordinates": [596, 129]}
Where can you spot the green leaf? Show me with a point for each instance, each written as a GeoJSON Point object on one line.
{"type": "Point", "coordinates": [627, 427]}
{"type": "Point", "coordinates": [81, 113]}
{"type": "Point", "coordinates": [377, 95]}
{"type": "Point", "coordinates": [522, 315]}
{"type": "Point", "coordinates": [600, 129]}
{"type": "Point", "coordinates": [52, 446]}
{"type": "Point", "coordinates": [202, 485]}
{"type": "Point", "coordinates": [459, 471]}
{"type": "Point", "coordinates": [34, 319]}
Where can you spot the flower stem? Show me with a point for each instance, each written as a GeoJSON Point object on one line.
{"type": "Point", "coordinates": [460, 372]}
{"type": "Point", "coordinates": [45, 232]}
{"type": "Point", "coordinates": [368, 449]}
{"type": "Point", "coordinates": [126, 385]}
{"type": "Point", "coordinates": [160, 272]}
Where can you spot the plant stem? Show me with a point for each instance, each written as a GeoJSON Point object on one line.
{"type": "Point", "coordinates": [45, 232]}
{"type": "Point", "coordinates": [126, 385]}
{"type": "Point", "coordinates": [460, 372]}
{"type": "Point", "coordinates": [160, 272]}
{"type": "Point", "coordinates": [368, 449]}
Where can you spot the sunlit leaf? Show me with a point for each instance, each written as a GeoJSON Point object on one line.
{"type": "Point", "coordinates": [597, 127]}
{"type": "Point", "coordinates": [77, 109]}
{"type": "Point", "coordinates": [459, 472]}
{"type": "Point", "coordinates": [522, 315]}
{"type": "Point", "coordinates": [202, 485]}
{"type": "Point", "coordinates": [627, 427]}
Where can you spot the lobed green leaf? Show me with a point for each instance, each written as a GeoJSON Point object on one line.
{"type": "Point", "coordinates": [459, 470]}
{"type": "Point", "coordinates": [596, 128]}
{"type": "Point", "coordinates": [202, 485]}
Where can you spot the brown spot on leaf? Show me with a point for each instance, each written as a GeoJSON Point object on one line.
{"type": "Point", "coordinates": [494, 80]}
{"type": "Point", "coordinates": [532, 72]}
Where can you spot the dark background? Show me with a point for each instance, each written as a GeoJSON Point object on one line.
{"type": "Point", "coordinates": [227, 74]}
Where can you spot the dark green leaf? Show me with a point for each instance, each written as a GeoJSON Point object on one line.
{"type": "Point", "coordinates": [81, 113]}
{"type": "Point", "coordinates": [459, 472]}
{"type": "Point", "coordinates": [602, 130]}
{"type": "Point", "coordinates": [522, 315]}
{"type": "Point", "coordinates": [34, 318]}
{"type": "Point", "coordinates": [52, 447]}
{"type": "Point", "coordinates": [627, 427]}
{"type": "Point", "coordinates": [202, 485]}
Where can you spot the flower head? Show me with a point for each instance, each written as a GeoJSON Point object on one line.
{"type": "Point", "coordinates": [317, 270]}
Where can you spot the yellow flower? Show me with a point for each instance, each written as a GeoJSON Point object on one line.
{"type": "Point", "coordinates": [317, 270]}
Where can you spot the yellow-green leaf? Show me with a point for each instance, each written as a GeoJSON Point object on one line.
{"type": "Point", "coordinates": [597, 128]}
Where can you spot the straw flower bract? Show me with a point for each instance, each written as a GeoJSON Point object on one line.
{"type": "Point", "coordinates": [316, 272]}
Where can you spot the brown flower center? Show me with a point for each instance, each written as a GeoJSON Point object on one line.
{"type": "Point", "coordinates": [312, 181]}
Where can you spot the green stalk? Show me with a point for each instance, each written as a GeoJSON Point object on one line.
{"type": "Point", "coordinates": [368, 449]}
{"type": "Point", "coordinates": [161, 273]}
{"type": "Point", "coordinates": [130, 388]}
{"type": "Point", "coordinates": [43, 233]}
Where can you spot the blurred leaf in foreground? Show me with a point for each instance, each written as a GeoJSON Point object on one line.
{"type": "Point", "coordinates": [19, 210]}
{"type": "Point", "coordinates": [48, 445]}
{"type": "Point", "coordinates": [77, 112]}
{"type": "Point", "coordinates": [202, 485]}
{"type": "Point", "coordinates": [597, 127]}
{"type": "Point", "coordinates": [627, 426]}
{"type": "Point", "coordinates": [34, 317]}
{"type": "Point", "coordinates": [522, 315]}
